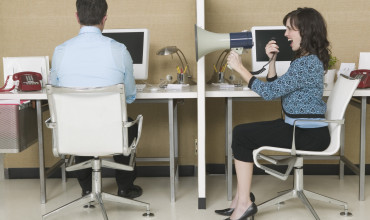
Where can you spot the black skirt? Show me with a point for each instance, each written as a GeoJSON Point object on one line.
{"type": "Point", "coordinates": [277, 133]}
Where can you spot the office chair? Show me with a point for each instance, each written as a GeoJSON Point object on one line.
{"type": "Point", "coordinates": [336, 107]}
{"type": "Point", "coordinates": [92, 122]}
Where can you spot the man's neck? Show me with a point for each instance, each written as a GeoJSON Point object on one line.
{"type": "Point", "coordinates": [99, 26]}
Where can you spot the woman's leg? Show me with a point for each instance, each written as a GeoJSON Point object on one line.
{"type": "Point", "coordinates": [245, 137]}
{"type": "Point", "coordinates": [235, 200]}
{"type": "Point", "coordinates": [244, 172]}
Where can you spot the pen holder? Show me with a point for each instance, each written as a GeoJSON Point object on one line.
{"type": "Point", "coordinates": [182, 78]}
{"type": "Point", "coordinates": [220, 78]}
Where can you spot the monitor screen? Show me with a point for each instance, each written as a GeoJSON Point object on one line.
{"type": "Point", "coordinates": [261, 36]}
{"type": "Point", "coordinates": [137, 43]}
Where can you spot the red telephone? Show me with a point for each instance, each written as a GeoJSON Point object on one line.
{"type": "Point", "coordinates": [28, 81]}
{"type": "Point", "coordinates": [365, 80]}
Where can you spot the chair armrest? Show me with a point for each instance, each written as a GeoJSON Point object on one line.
{"type": "Point", "coordinates": [128, 124]}
{"type": "Point", "coordinates": [50, 124]}
{"type": "Point", "coordinates": [339, 121]}
{"type": "Point", "coordinates": [139, 121]}
{"type": "Point", "coordinates": [267, 158]}
{"type": "Point", "coordinates": [290, 161]}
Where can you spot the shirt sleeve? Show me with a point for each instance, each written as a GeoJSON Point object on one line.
{"type": "Point", "coordinates": [129, 80]}
{"type": "Point", "coordinates": [124, 62]}
{"type": "Point", "coordinates": [302, 73]}
{"type": "Point", "coordinates": [55, 65]}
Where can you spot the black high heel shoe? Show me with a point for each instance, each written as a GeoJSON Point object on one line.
{"type": "Point", "coordinates": [229, 211]}
{"type": "Point", "coordinates": [249, 213]}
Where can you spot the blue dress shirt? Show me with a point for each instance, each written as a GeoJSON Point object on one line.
{"type": "Point", "coordinates": [93, 60]}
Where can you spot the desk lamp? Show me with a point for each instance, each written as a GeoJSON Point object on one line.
{"type": "Point", "coordinates": [170, 50]}
{"type": "Point", "coordinates": [219, 69]}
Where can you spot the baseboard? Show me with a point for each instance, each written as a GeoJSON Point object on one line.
{"type": "Point", "coordinates": [184, 170]}
{"type": "Point", "coordinates": [142, 171]}
{"type": "Point", "coordinates": [309, 169]}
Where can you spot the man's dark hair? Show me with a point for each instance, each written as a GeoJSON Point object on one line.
{"type": "Point", "coordinates": [91, 12]}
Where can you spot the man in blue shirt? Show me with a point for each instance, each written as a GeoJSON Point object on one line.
{"type": "Point", "coordinates": [93, 60]}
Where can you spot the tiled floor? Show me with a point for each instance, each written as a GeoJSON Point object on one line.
{"type": "Point", "coordinates": [20, 199]}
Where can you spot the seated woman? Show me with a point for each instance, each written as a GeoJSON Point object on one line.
{"type": "Point", "coordinates": [301, 91]}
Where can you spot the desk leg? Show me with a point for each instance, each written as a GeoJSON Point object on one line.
{"type": "Point", "coordinates": [176, 142]}
{"type": "Point", "coordinates": [226, 142]}
{"type": "Point", "coordinates": [171, 130]}
{"type": "Point", "coordinates": [41, 152]}
{"type": "Point", "coordinates": [342, 145]}
{"type": "Point", "coordinates": [362, 150]}
{"type": "Point", "coordinates": [2, 169]}
{"type": "Point", "coordinates": [229, 128]}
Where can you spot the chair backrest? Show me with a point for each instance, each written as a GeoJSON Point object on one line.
{"type": "Point", "coordinates": [88, 121]}
{"type": "Point", "coordinates": [337, 104]}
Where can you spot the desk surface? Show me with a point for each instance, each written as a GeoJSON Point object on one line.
{"type": "Point", "coordinates": [186, 92]}
{"type": "Point", "coordinates": [216, 91]}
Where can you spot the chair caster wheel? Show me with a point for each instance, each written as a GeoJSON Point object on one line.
{"type": "Point", "coordinates": [89, 206]}
{"type": "Point", "coordinates": [346, 213]}
{"type": "Point", "coordinates": [148, 214]}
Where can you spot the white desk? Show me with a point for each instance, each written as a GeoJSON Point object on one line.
{"type": "Point", "coordinates": [239, 94]}
{"type": "Point", "coordinates": [169, 96]}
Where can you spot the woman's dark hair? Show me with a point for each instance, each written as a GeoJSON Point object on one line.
{"type": "Point", "coordinates": [91, 12]}
{"type": "Point", "coordinates": [312, 28]}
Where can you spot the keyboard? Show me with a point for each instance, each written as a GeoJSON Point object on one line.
{"type": "Point", "coordinates": [140, 87]}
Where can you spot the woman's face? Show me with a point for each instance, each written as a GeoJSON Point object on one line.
{"type": "Point", "coordinates": [292, 33]}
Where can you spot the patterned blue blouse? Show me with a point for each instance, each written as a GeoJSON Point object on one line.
{"type": "Point", "coordinates": [301, 88]}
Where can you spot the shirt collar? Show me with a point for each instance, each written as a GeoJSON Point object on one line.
{"type": "Point", "coordinates": [90, 29]}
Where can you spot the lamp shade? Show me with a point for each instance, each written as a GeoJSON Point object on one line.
{"type": "Point", "coordinates": [168, 50]}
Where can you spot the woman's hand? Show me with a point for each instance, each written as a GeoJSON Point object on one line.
{"type": "Point", "coordinates": [271, 49]}
{"type": "Point", "coordinates": [234, 61]}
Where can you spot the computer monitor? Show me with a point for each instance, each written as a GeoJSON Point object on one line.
{"type": "Point", "coordinates": [137, 43]}
{"type": "Point", "coordinates": [262, 35]}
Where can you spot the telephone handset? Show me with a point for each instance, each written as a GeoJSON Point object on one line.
{"type": "Point", "coordinates": [263, 68]}
{"type": "Point", "coordinates": [365, 80]}
{"type": "Point", "coordinates": [28, 81]}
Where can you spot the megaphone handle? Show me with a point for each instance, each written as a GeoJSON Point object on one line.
{"type": "Point", "coordinates": [238, 50]}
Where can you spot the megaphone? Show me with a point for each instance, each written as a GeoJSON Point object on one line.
{"type": "Point", "coordinates": [206, 42]}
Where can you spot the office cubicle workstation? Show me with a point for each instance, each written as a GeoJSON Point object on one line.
{"type": "Point", "coordinates": [36, 29]}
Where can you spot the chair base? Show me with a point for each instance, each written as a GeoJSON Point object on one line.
{"type": "Point", "coordinates": [303, 195]}
{"type": "Point", "coordinates": [98, 198]}
{"type": "Point", "coordinates": [97, 195]}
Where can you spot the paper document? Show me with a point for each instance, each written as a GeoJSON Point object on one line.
{"type": "Point", "coordinates": [176, 86]}
{"type": "Point", "coordinates": [364, 62]}
{"type": "Point", "coordinates": [346, 69]}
